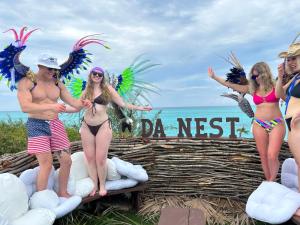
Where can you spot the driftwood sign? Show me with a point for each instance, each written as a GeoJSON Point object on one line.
{"type": "Point", "coordinates": [184, 127]}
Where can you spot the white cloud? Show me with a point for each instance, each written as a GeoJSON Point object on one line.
{"type": "Point", "coordinates": [185, 37]}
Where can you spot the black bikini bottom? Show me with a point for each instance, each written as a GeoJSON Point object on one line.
{"type": "Point", "coordinates": [288, 122]}
{"type": "Point", "coordinates": [94, 129]}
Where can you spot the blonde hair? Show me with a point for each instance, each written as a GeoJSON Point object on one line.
{"type": "Point", "coordinates": [265, 75]}
{"type": "Point", "coordinates": [89, 90]}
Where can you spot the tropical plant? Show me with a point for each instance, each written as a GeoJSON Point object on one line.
{"type": "Point", "coordinates": [242, 130]}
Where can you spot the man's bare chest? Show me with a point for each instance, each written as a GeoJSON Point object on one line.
{"type": "Point", "coordinates": [44, 92]}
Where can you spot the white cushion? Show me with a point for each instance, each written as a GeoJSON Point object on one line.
{"type": "Point", "coordinates": [78, 168]}
{"type": "Point", "coordinates": [272, 203]}
{"type": "Point", "coordinates": [35, 217]}
{"type": "Point", "coordinates": [29, 178]}
{"type": "Point", "coordinates": [289, 174]}
{"type": "Point", "coordinates": [3, 221]}
{"type": "Point", "coordinates": [129, 170]}
{"type": "Point", "coordinates": [112, 185]}
{"type": "Point", "coordinates": [13, 197]}
{"type": "Point", "coordinates": [71, 183]}
{"type": "Point", "coordinates": [66, 205]}
{"type": "Point", "coordinates": [48, 199]}
{"type": "Point", "coordinates": [44, 199]}
{"type": "Point", "coordinates": [84, 187]}
{"type": "Point", "coordinates": [112, 173]}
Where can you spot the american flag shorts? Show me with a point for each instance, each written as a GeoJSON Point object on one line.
{"type": "Point", "coordinates": [46, 136]}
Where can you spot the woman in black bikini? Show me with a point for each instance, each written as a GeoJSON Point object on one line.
{"type": "Point", "coordinates": [96, 132]}
{"type": "Point", "coordinates": [290, 92]}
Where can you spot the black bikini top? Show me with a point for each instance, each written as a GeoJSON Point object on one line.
{"type": "Point", "coordinates": [100, 100]}
{"type": "Point", "coordinates": [296, 91]}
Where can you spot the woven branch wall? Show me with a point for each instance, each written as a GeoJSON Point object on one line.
{"type": "Point", "coordinates": [211, 167]}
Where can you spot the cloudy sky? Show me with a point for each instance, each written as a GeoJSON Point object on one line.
{"type": "Point", "coordinates": [185, 37]}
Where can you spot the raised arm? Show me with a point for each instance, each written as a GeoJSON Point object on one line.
{"type": "Point", "coordinates": [25, 100]}
{"type": "Point", "coordinates": [236, 87]}
{"type": "Point", "coordinates": [116, 98]}
{"type": "Point", "coordinates": [279, 90]}
{"type": "Point", "coordinates": [77, 104]}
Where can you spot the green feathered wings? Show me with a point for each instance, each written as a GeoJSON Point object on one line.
{"type": "Point", "coordinates": [128, 84]}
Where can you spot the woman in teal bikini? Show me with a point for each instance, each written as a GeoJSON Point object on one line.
{"type": "Point", "coordinates": [268, 127]}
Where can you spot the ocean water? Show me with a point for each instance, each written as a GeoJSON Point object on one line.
{"type": "Point", "coordinates": [169, 119]}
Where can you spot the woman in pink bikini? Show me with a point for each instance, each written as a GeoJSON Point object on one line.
{"type": "Point", "coordinates": [268, 127]}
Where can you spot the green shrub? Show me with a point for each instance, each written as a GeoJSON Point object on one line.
{"type": "Point", "coordinates": [13, 136]}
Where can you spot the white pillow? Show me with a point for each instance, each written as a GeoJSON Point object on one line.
{"type": "Point", "coordinates": [36, 217]}
{"type": "Point", "coordinates": [3, 221]}
{"type": "Point", "coordinates": [13, 197]}
{"type": "Point", "coordinates": [66, 205]}
{"type": "Point", "coordinates": [84, 187]}
{"type": "Point", "coordinates": [44, 199]}
{"type": "Point", "coordinates": [272, 203]}
{"type": "Point", "coordinates": [112, 185]}
{"type": "Point", "coordinates": [29, 178]}
{"type": "Point", "coordinates": [71, 183]}
{"type": "Point", "coordinates": [78, 168]}
{"type": "Point", "coordinates": [112, 173]}
{"type": "Point", "coordinates": [129, 170]}
{"type": "Point", "coordinates": [289, 174]}
{"type": "Point", "coordinates": [49, 200]}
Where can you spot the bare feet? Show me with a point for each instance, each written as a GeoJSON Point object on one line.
{"type": "Point", "coordinates": [64, 195]}
{"type": "Point", "coordinates": [94, 191]}
{"type": "Point", "coordinates": [102, 192]}
{"type": "Point", "coordinates": [297, 213]}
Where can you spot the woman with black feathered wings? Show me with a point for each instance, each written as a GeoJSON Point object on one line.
{"type": "Point", "coordinates": [268, 127]}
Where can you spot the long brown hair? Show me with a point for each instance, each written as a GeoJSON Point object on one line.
{"type": "Point", "coordinates": [89, 90]}
{"type": "Point", "coordinates": [264, 72]}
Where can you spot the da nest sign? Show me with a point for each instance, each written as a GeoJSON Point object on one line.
{"type": "Point", "coordinates": [184, 127]}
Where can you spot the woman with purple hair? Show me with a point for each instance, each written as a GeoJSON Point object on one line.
{"type": "Point", "coordinates": [96, 132]}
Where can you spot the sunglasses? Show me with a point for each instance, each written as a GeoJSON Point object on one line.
{"type": "Point", "coordinates": [291, 59]}
{"type": "Point", "coordinates": [254, 76]}
{"type": "Point", "coordinates": [95, 74]}
{"type": "Point", "coordinates": [50, 69]}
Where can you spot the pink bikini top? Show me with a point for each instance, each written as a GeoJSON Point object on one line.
{"type": "Point", "coordinates": [268, 98]}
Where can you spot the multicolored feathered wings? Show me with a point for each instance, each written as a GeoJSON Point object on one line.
{"type": "Point", "coordinates": [11, 68]}
{"type": "Point", "coordinates": [237, 74]}
{"type": "Point", "coordinates": [75, 85]}
{"type": "Point", "coordinates": [128, 83]}
{"type": "Point", "coordinates": [79, 58]}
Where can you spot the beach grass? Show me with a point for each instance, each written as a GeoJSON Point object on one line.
{"type": "Point", "coordinates": [117, 217]}
{"type": "Point", "coordinates": [13, 136]}
{"type": "Point", "coordinates": [110, 216]}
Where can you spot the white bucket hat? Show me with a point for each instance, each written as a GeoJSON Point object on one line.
{"type": "Point", "coordinates": [48, 61]}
